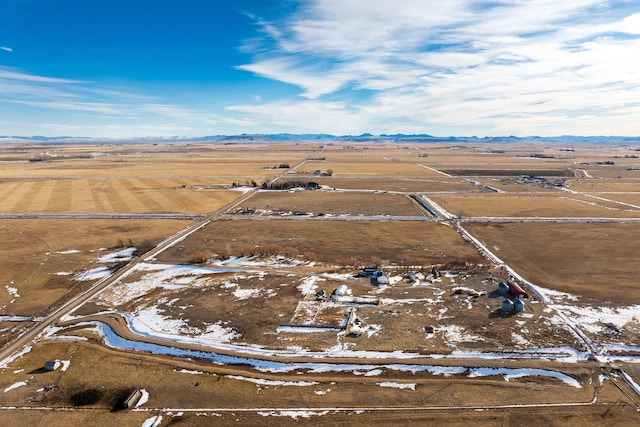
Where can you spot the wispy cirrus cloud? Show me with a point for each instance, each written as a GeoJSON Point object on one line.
{"type": "Point", "coordinates": [516, 67]}
{"type": "Point", "coordinates": [99, 109]}
{"type": "Point", "coordinates": [6, 49]}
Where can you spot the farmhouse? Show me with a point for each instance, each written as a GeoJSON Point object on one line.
{"type": "Point", "coordinates": [371, 272]}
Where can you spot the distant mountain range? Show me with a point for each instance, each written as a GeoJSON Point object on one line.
{"type": "Point", "coordinates": [365, 137]}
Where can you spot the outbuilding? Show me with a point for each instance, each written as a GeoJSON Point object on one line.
{"type": "Point", "coordinates": [516, 291]}
{"type": "Point", "coordinates": [518, 305]}
{"type": "Point", "coordinates": [503, 288]}
{"type": "Point", "coordinates": [507, 306]}
{"type": "Point", "coordinates": [382, 280]}
{"type": "Point", "coordinates": [52, 365]}
{"type": "Point", "coordinates": [132, 399]}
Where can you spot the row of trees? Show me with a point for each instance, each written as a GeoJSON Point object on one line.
{"type": "Point", "coordinates": [424, 265]}
{"type": "Point", "coordinates": [142, 246]}
{"type": "Point", "coordinates": [264, 250]}
{"type": "Point", "coordinates": [288, 184]}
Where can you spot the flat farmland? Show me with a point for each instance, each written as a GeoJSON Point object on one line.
{"type": "Point", "coordinates": [630, 198]}
{"type": "Point", "coordinates": [127, 166]}
{"type": "Point", "coordinates": [334, 203]}
{"type": "Point", "coordinates": [372, 167]}
{"type": "Point", "coordinates": [474, 159]}
{"type": "Point", "coordinates": [596, 185]}
{"type": "Point", "coordinates": [113, 196]}
{"type": "Point", "coordinates": [333, 239]}
{"type": "Point", "coordinates": [612, 172]}
{"type": "Point", "coordinates": [241, 321]}
{"type": "Point", "coordinates": [39, 257]}
{"type": "Point", "coordinates": [596, 261]}
{"type": "Point", "coordinates": [550, 206]}
{"type": "Point", "coordinates": [399, 183]}
{"type": "Point", "coordinates": [513, 186]}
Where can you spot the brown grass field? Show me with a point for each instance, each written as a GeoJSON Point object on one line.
{"type": "Point", "coordinates": [87, 386]}
{"type": "Point", "coordinates": [594, 261]}
{"type": "Point", "coordinates": [333, 239]}
{"type": "Point", "coordinates": [436, 184]}
{"type": "Point", "coordinates": [336, 203]}
{"type": "Point", "coordinates": [33, 251]}
{"type": "Point", "coordinates": [552, 205]}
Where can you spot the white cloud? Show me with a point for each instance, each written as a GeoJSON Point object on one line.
{"type": "Point", "coordinates": [519, 67]}
{"type": "Point", "coordinates": [96, 107]}
{"type": "Point", "coordinates": [7, 49]}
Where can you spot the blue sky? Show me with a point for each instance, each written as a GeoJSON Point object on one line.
{"type": "Point", "coordinates": [128, 68]}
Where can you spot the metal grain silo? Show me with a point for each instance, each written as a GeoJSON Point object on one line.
{"type": "Point", "coordinates": [518, 305]}
{"type": "Point", "coordinates": [503, 288]}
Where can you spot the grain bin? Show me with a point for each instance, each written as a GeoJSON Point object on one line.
{"type": "Point", "coordinates": [518, 305]}
{"type": "Point", "coordinates": [507, 306]}
{"type": "Point", "coordinates": [503, 288]}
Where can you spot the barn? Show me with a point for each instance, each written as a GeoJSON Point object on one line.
{"type": "Point", "coordinates": [516, 291]}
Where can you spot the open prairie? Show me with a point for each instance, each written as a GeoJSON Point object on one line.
{"type": "Point", "coordinates": [539, 205]}
{"type": "Point", "coordinates": [596, 261]}
{"type": "Point", "coordinates": [176, 274]}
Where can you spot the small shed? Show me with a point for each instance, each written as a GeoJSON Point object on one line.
{"type": "Point", "coordinates": [382, 280]}
{"type": "Point", "coordinates": [342, 291]}
{"type": "Point", "coordinates": [132, 399]}
{"type": "Point", "coordinates": [52, 365]}
{"type": "Point", "coordinates": [507, 306]}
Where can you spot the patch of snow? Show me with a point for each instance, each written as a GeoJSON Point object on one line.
{"type": "Point", "coordinates": [261, 381]}
{"type": "Point", "coordinates": [243, 294]}
{"type": "Point", "coordinates": [337, 276]}
{"type": "Point", "coordinates": [63, 273]}
{"type": "Point", "coordinates": [153, 421]}
{"type": "Point", "coordinates": [150, 322]}
{"type": "Point", "coordinates": [15, 385]}
{"type": "Point", "coordinates": [143, 399]}
{"type": "Point", "coordinates": [520, 373]}
{"type": "Point", "coordinates": [93, 274]}
{"type": "Point", "coordinates": [21, 319]}
{"type": "Point", "coordinates": [118, 256]}
{"type": "Point", "coordinates": [308, 285]}
{"type": "Point", "coordinates": [455, 334]}
{"type": "Point", "coordinates": [295, 414]}
{"type": "Point", "coordinates": [68, 251]}
{"type": "Point", "coordinates": [12, 291]}
{"type": "Point", "coordinates": [4, 363]}
{"type": "Point", "coordinates": [403, 386]}
{"type": "Point", "coordinates": [519, 339]}
{"type": "Point", "coordinates": [321, 392]}
{"type": "Point", "coordinates": [188, 371]}
{"type": "Point", "coordinates": [167, 276]}
{"type": "Point", "coordinates": [593, 319]}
